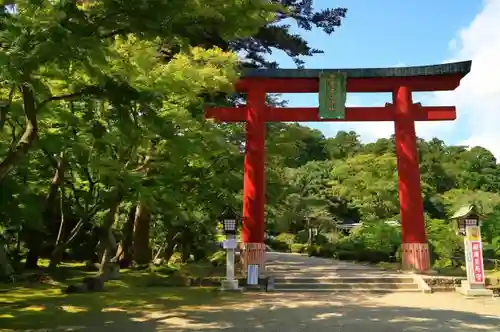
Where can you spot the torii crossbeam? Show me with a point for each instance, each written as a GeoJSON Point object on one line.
{"type": "Point", "coordinates": [400, 81]}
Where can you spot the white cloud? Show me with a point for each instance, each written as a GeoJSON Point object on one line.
{"type": "Point", "coordinates": [478, 97]}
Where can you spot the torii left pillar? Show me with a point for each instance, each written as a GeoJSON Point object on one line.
{"type": "Point", "coordinates": [414, 248]}
{"type": "Point", "coordinates": [253, 248]}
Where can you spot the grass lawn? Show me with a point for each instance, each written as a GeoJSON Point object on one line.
{"type": "Point", "coordinates": [43, 307]}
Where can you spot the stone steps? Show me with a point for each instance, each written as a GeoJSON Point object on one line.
{"type": "Point", "coordinates": [365, 291]}
{"type": "Point", "coordinates": [344, 286]}
{"type": "Point", "coordinates": [376, 284]}
{"type": "Point", "coordinates": [346, 280]}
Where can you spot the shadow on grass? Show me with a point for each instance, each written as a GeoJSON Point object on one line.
{"type": "Point", "coordinates": [43, 307]}
{"type": "Point", "coordinates": [39, 303]}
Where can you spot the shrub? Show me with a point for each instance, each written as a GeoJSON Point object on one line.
{"type": "Point", "coordinates": [378, 237]}
{"type": "Point", "coordinates": [374, 256]}
{"type": "Point", "coordinates": [202, 251]}
{"type": "Point", "coordinates": [443, 263]}
{"type": "Point", "coordinates": [446, 247]}
{"type": "Point", "coordinates": [218, 258]}
{"type": "Point", "coordinates": [364, 255]}
{"type": "Point", "coordinates": [176, 258]}
{"type": "Point", "coordinates": [312, 250]}
{"type": "Point", "coordinates": [320, 239]}
{"type": "Point", "coordinates": [284, 241]}
{"type": "Point", "coordinates": [333, 237]}
{"type": "Point", "coordinates": [277, 245]}
{"type": "Point", "coordinates": [303, 237]}
{"type": "Point", "coordinates": [326, 250]}
{"type": "Point", "coordinates": [298, 248]}
{"type": "Point", "coordinates": [286, 238]}
{"type": "Point", "coordinates": [346, 255]}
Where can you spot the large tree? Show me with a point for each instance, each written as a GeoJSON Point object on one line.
{"type": "Point", "coordinates": [100, 141]}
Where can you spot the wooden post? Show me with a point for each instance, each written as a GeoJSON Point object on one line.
{"type": "Point", "coordinates": [415, 249]}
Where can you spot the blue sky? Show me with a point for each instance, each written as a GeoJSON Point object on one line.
{"type": "Point", "coordinates": [388, 33]}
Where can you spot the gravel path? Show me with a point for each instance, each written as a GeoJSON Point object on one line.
{"type": "Point", "coordinates": [316, 312]}
{"type": "Point", "coordinates": [344, 312]}
{"type": "Point", "coordinates": [296, 265]}
{"type": "Point", "coordinates": [273, 312]}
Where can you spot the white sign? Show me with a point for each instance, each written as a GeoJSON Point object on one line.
{"type": "Point", "coordinates": [229, 244]}
{"type": "Point", "coordinates": [253, 274]}
{"type": "Point", "coordinates": [474, 256]}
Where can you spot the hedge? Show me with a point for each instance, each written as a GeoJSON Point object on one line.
{"type": "Point", "coordinates": [298, 248]}
{"type": "Point", "coordinates": [362, 255]}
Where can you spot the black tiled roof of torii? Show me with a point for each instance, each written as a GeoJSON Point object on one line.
{"type": "Point", "coordinates": [460, 68]}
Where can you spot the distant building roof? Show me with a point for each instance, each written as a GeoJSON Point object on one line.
{"type": "Point", "coordinates": [349, 226]}
{"type": "Point", "coordinates": [465, 211]}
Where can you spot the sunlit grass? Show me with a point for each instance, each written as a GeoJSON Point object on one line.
{"type": "Point", "coordinates": [47, 307]}
{"type": "Point", "coordinates": [32, 306]}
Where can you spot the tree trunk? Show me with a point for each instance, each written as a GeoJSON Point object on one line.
{"type": "Point", "coordinates": [107, 238]}
{"type": "Point", "coordinates": [6, 270]}
{"type": "Point", "coordinates": [158, 253]}
{"type": "Point", "coordinates": [128, 239]}
{"type": "Point", "coordinates": [57, 253]}
{"type": "Point", "coordinates": [35, 236]}
{"type": "Point", "coordinates": [142, 250]}
{"type": "Point", "coordinates": [56, 257]}
{"type": "Point", "coordinates": [32, 255]}
{"type": "Point", "coordinates": [170, 246]}
{"type": "Point", "coordinates": [185, 242]}
{"type": "Point", "coordinates": [21, 149]}
{"type": "Point", "coordinates": [185, 251]}
{"type": "Point", "coordinates": [108, 255]}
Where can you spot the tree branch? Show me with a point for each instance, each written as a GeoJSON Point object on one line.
{"type": "Point", "coordinates": [4, 109]}
{"type": "Point", "coordinates": [87, 91]}
{"type": "Point", "coordinates": [144, 165]}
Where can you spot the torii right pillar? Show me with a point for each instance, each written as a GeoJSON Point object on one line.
{"type": "Point", "coordinates": [415, 249]}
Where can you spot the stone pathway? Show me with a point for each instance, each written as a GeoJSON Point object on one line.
{"type": "Point", "coordinates": [297, 265]}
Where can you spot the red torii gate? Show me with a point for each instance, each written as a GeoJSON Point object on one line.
{"type": "Point", "coordinates": [401, 82]}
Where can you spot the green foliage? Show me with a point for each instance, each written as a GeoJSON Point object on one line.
{"type": "Point", "coordinates": [101, 113]}
{"type": "Point", "coordinates": [490, 233]}
{"type": "Point", "coordinates": [378, 236]}
{"type": "Point", "coordinates": [457, 198]}
{"type": "Point", "coordinates": [278, 245]}
{"type": "Point", "coordinates": [218, 258]}
{"type": "Point", "coordinates": [287, 238]}
{"type": "Point", "coordinates": [446, 246]}
{"type": "Point", "coordinates": [283, 242]}
{"type": "Point", "coordinates": [298, 248]}
{"type": "Point", "coordinates": [369, 182]}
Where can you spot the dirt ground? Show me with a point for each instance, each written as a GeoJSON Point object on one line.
{"type": "Point", "coordinates": [184, 310]}
{"type": "Point", "coordinates": [273, 312]}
